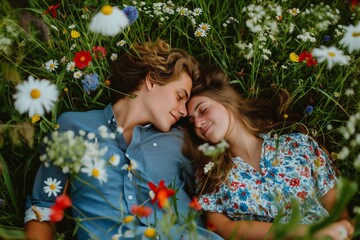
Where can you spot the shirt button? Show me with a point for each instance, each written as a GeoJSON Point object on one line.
{"type": "Point", "coordinates": [130, 197]}
{"type": "Point", "coordinates": [154, 144]}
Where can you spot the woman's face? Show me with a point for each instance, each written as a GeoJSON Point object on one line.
{"type": "Point", "coordinates": [167, 103]}
{"type": "Point", "coordinates": [209, 118]}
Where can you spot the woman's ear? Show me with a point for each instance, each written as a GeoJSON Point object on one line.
{"type": "Point", "coordinates": [149, 82]}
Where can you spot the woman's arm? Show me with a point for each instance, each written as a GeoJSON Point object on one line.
{"type": "Point", "coordinates": [36, 230]}
{"type": "Point", "coordinates": [329, 201]}
{"type": "Point", "coordinates": [228, 229]}
{"type": "Point", "coordinates": [253, 230]}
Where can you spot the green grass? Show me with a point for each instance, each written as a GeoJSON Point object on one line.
{"type": "Point", "coordinates": [324, 89]}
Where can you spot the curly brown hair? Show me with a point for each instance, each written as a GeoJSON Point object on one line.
{"type": "Point", "coordinates": [260, 115]}
{"type": "Point", "coordinates": [156, 60]}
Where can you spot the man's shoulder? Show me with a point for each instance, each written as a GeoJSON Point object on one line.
{"type": "Point", "coordinates": [75, 118]}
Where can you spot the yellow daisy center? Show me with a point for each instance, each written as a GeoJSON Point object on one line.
{"type": "Point", "coordinates": [150, 232]}
{"type": "Point", "coordinates": [106, 10]}
{"type": "Point", "coordinates": [95, 172]}
{"type": "Point", "coordinates": [82, 58]}
{"type": "Point", "coordinates": [35, 93]}
{"type": "Point", "coordinates": [112, 159]}
{"type": "Point", "coordinates": [52, 66]}
{"type": "Point", "coordinates": [332, 54]}
{"type": "Point", "coordinates": [52, 186]}
{"type": "Point", "coordinates": [356, 34]}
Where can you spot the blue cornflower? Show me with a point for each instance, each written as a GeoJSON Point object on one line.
{"type": "Point", "coordinates": [309, 109]}
{"type": "Point", "coordinates": [90, 83]}
{"type": "Point", "coordinates": [132, 13]}
{"type": "Point", "coordinates": [327, 38]}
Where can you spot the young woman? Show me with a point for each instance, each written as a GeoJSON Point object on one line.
{"type": "Point", "coordinates": [263, 169]}
{"type": "Point", "coordinates": [151, 85]}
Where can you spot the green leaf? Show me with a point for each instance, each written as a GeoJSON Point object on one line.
{"type": "Point", "coordinates": [6, 233]}
{"type": "Point", "coordinates": [8, 184]}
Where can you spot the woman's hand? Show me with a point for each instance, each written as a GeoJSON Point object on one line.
{"type": "Point", "coordinates": [340, 230]}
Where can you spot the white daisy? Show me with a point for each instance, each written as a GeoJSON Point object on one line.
{"type": "Point", "coordinates": [70, 66]}
{"type": "Point", "coordinates": [77, 74]}
{"type": "Point", "coordinates": [52, 186]}
{"type": "Point", "coordinates": [351, 38]}
{"type": "Point", "coordinates": [294, 11]}
{"type": "Point", "coordinates": [114, 160]}
{"type": "Point", "coordinates": [197, 12]}
{"type": "Point", "coordinates": [200, 33]}
{"type": "Point", "coordinates": [72, 26]}
{"type": "Point", "coordinates": [204, 26]}
{"type": "Point", "coordinates": [35, 96]}
{"type": "Point", "coordinates": [130, 167]}
{"type": "Point", "coordinates": [95, 169]}
{"type": "Point", "coordinates": [121, 43]}
{"type": "Point", "coordinates": [110, 21]}
{"type": "Point", "coordinates": [51, 65]}
{"type": "Point", "coordinates": [113, 56]}
{"type": "Point", "coordinates": [332, 55]}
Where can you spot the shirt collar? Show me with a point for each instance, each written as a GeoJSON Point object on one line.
{"type": "Point", "coordinates": [111, 120]}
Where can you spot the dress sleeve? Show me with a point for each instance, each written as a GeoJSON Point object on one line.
{"type": "Point", "coordinates": [211, 202]}
{"type": "Point", "coordinates": [322, 171]}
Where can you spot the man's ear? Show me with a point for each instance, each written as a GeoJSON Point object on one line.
{"type": "Point", "coordinates": [149, 82]}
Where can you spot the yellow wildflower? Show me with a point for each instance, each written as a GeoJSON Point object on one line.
{"type": "Point", "coordinates": [35, 118]}
{"type": "Point", "coordinates": [150, 232]}
{"type": "Point", "coordinates": [75, 34]}
{"type": "Point", "coordinates": [128, 219]}
{"type": "Point", "coordinates": [294, 57]}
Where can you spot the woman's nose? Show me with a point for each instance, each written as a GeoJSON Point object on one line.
{"type": "Point", "coordinates": [198, 122]}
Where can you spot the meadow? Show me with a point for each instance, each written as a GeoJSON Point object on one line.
{"type": "Point", "coordinates": [310, 48]}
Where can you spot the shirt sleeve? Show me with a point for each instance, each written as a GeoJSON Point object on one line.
{"type": "Point", "coordinates": [322, 171]}
{"type": "Point", "coordinates": [49, 183]}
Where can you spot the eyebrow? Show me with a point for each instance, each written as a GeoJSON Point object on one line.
{"type": "Point", "coordinates": [195, 109]}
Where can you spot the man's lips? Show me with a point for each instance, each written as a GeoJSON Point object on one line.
{"type": "Point", "coordinates": [176, 118]}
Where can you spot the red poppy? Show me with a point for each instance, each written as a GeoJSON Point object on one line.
{"type": "Point", "coordinates": [56, 214]}
{"type": "Point", "coordinates": [57, 210]}
{"type": "Point", "coordinates": [162, 193]}
{"type": "Point", "coordinates": [141, 211]}
{"type": "Point", "coordinates": [194, 204]}
{"type": "Point", "coordinates": [63, 201]}
{"type": "Point", "coordinates": [308, 58]}
{"type": "Point", "coordinates": [354, 3]}
{"type": "Point", "coordinates": [99, 51]}
{"type": "Point", "coordinates": [82, 59]}
{"type": "Point", "coordinates": [52, 10]}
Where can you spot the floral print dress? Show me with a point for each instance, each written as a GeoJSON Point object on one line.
{"type": "Point", "coordinates": [293, 167]}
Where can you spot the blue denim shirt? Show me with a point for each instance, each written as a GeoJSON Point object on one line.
{"type": "Point", "coordinates": [98, 208]}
